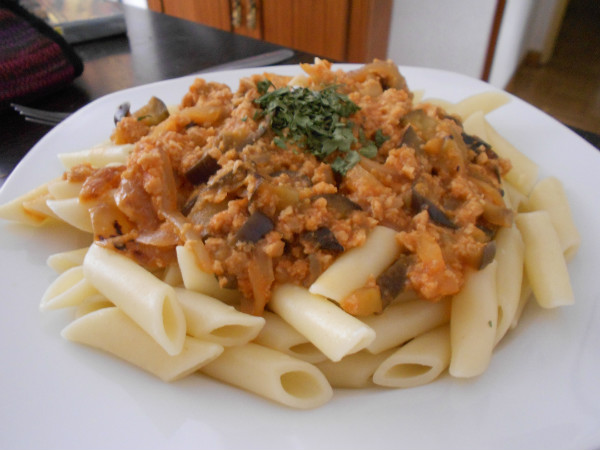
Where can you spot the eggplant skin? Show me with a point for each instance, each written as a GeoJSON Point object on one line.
{"type": "Point", "coordinates": [488, 254]}
{"type": "Point", "coordinates": [201, 171]}
{"type": "Point", "coordinates": [340, 204]}
{"type": "Point", "coordinates": [255, 228]}
{"type": "Point", "coordinates": [419, 203]}
{"type": "Point", "coordinates": [478, 145]}
{"type": "Point", "coordinates": [324, 239]}
{"type": "Point", "coordinates": [393, 280]}
{"type": "Point", "coordinates": [122, 111]}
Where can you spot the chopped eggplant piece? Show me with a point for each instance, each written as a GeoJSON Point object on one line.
{"type": "Point", "coordinates": [284, 194]}
{"type": "Point", "coordinates": [388, 74]}
{"type": "Point", "coordinates": [324, 239]}
{"type": "Point", "coordinates": [488, 229]}
{"type": "Point", "coordinates": [200, 172]}
{"type": "Point", "coordinates": [393, 280]}
{"type": "Point", "coordinates": [241, 138]}
{"type": "Point", "coordinates": [479, 145]}
{"type": "Point", "coordinates": [152, 113]}
{"type": "Point", "coordinates": [121, 112]}
{"type": "Point", "coordinates": [497, 215]}
{"type": "Point", "coordinates": [454, 119]}
{"type": "Point", "coordinates": [202, 211]}
{"type": "Point", "coordinates": [229, 180]}
{"type": "Point", "coordinates": [340, 204]}
{"type": "Point", "coordinates": [419, 203]}
{"type": "Point", "coordinates": [488, 254]}
{"type": "Point", "coordinates": [424, 124]}
{"type": "Point", "coordinates": [189, 205]}
{"type": "Point", "coordinates": [255, 228]}
{"type": "Point", "coordinates": [411, 138]}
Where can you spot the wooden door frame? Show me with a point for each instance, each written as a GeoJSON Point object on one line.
{"type": "Point", "coordinates": [493, 40]}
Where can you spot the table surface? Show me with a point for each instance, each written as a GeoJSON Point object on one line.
{"type": "Point", "coordinates": [156, 47]}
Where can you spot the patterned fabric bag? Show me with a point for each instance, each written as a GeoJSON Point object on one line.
{"type": "Point", "coordinates": [34, 59]}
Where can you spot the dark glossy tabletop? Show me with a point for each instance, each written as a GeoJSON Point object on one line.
{"type": "Point", "coordinates": [156, 47]}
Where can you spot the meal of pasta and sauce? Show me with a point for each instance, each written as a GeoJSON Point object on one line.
{"type": "Point", "coordinates": [305, 232]}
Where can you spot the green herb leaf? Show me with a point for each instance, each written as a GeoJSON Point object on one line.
{"type": "Point", "coordinates": [263, 86]}
{"type": "Point", "coordinates": [313, 120]}
{"type": "Point", "coordinates": [343, 165]}
{"type": "Point", "coordinates": [369, 150]}
{"type": "Point", "coordinates": [279, 142]}
{"type": "Point", "coordinates": [380, 138]}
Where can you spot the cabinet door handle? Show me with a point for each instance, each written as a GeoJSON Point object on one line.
{"type": "Point", "coordinates": [236, 13]}
{"type": "Point", "coordinates": [251, 16]}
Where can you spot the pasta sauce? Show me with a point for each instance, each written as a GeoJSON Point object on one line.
{"type": "Point", "coordinates": [271, 183]}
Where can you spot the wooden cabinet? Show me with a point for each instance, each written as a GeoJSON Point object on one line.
{"type": "Point", "coordinates": [341, 30]}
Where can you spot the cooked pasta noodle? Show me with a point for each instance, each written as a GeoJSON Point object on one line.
{"type": "Point", "coordinates": [112, 331]}
{"type": "Point", "coordinates": [70, 289]}
{"type": "Point", "coordinates": [151, 303]}
{"type": "Point", "coordinates": [419, 362]}
{"type": "Point", "coordinates": [473, 324]}
{"type": "Point", "coordinates": [271, 374]}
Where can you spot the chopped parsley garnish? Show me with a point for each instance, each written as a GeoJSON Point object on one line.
{"type": "Point", "coordinates": [314, 121]}
{"type": "Point", "coordinates": [380, 138]}
{"type": "Point", "coordinates": [263, 86]}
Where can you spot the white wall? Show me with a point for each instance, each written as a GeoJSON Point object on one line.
{"type": "Point", "coordinates": [139, 3]}
{"type": "Point", "coordinates": [454, 34]}
{"type": "Point", "coordinates": [511, 44]}
{"type": "Point", "coordinates": [444, 34]}
{"type": "Point", "coordinates": [544, 26]}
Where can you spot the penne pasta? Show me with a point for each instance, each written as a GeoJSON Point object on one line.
{"type": "Point", "coordinates": [444, 104]}
{"type": "Point", "coordinates": [151, 303]}
{"type": "Point", "coordinates": [26, 208]}
{"type": "Point", "coordinates": [279, 335]}
{"type": "Point", "coordinates": [545, 264]}
{"type": "Point", "coordinates": [60, 189]}
{"type": "Point", "coordinates": [99, 156]}
{"type": "Point", "coordinates": [513, 197]}
{"type": "Point", "coordinates": [271, 374]}
{"type": "Point", "coordinates": [523, 300]}
{"type": "Point", "coordinates": [524, 172]}
{"type": "Point", "coordinates": [419, 362]}
{"type": "Point", "coordinates": [549, 195]}
{"type": "Point", "coordinates": [172, 275]}
{"type": "Point", "coordinates": [111, 330]}
{"type": "Point", "coordinates": [418, 95]}
{"type": "Point", "coordinates": [212, 320]}
{"type": "Point", "coordinates": [91, 304]}
{"type": "Point", "coordinates": [510, 252]}
{"type": "Point", "coordinates": [474, 124]}
{"type": "Point", "coordinates": [473, 323]}
{"type": "Point", "coordinates": [484, 103]}
{"type": "Point", "coordinates": [65, 260]}
{"type": "Point", "coordinates": [402, 322]}
{"type": "Point", "coordinates": [332, 330]}
{"type": "Point", "coordinates": [72, 212]}
{"type": "Point", "coordinates": [196, 279]}
{"type": "Point", "coordinates": [373, 257]}
{"type": "Point", "coordinates": [70, 288]}
{"type": "Point", "coordinates": [353, 371]}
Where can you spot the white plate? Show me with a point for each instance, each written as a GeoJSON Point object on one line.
{"type": "Point", "coordinates": [542, 389]}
